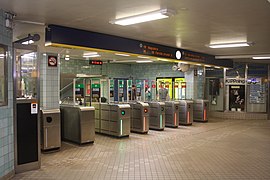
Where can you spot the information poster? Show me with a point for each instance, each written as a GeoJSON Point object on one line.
{"type": "Point", "coordinates": [237, 97]}
{"type": "Point", "coordinates": [257, 94]}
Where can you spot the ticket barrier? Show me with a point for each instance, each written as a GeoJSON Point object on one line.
{"type": "Point", "coordinates": [185, 112]}
{"type": "Point", "coordinates": [156, 115]}
{"type": "Point", "coordinates": [139, 121]}
{"type": "Point", "coordinates": [200, 110]}
{"type": "Point", "coordinates": [50, 129]}
{"type": "Point", "coordinates": [112, 119]}
{"type": "Point", "coordinates": [171, 114]}
{"type": "Point", "coordinates": [78, 124]}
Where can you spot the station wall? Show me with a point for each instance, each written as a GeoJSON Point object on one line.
{"type": "Point", "coordinates": [6, 112]}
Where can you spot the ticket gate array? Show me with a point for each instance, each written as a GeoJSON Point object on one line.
{"type": "Point", "coordinates": [172, 113]}
{"type": "Point", "coordinates": [50, 129]}
{"type": "Point", "coordinates": [200, 110]}
{"type": "Point", "coordinates": [78, 124]}
{"type": "Point", "coordinates": [112, 119]}
{"type": "Point", "coordinates": [156, 115]}
{"type": "Point", "coordinates": [185, 112]}
{"type": "Point", "coordinates": [139, 121]}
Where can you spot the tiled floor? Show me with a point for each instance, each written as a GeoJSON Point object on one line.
{"type": "Point", "coordinates": [219, 149]}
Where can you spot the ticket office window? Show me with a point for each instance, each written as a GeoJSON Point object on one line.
{"type": "Point", "coordinates": [3, 76]}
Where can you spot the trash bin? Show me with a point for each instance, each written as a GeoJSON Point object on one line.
{"type": "Point", "coordinates": [50, 129]}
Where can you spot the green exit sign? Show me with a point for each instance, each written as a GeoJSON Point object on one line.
{"type": "Point", "coordinates": [95, 86]}
{"type": "Point", "coordinates": [79, 86]}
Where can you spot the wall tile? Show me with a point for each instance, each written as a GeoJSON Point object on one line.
{"type": "Point", "coordinates": [6, 112]}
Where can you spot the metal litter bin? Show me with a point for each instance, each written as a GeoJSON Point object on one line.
{"type": "Point", "coordinates": [50, 129]}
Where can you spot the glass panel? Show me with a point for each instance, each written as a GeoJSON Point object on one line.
{"type": "Point", "coordinates": [26, 70]}
{"type": "Point", "coordinates": [3, 76]}
{"type": "Point", "coordinates": [238, 71]}
{"type": "Point", "coordinates": [215, 90]}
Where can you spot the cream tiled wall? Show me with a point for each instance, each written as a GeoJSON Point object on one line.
{"type": "Point", "coordinates": [49, 84]}
{"type": "Point", "coordinates": [6, 112]}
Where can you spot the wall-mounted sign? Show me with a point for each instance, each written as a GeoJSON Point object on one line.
{"type": "Point", "coordinates": [34, 108]}
{"type": "Point", "coordinates": [254, 81]}
{"type": "Point", "coordinates": [240, 81]}
{"type": "Point", "coordinates": [64, 36]}
{"type": "Point", "coordinates": [95, 62]}
{"type": "Point", "coordinates": [52, 61]}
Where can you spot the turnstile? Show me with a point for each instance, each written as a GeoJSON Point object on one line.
{"type": "Point", "coordinates": [171, 113]}
{"type": "Point", "coordinates": [139, 119]}
{"type": "Point", "coordinates": [50, 129]}
{"type": "Point", "coordinates": [78, 124]}
{"type": "Point", "coordinates": [113, 119]}
{"type": "Point", "coordinates": [185, 112]}
{"type": "Point", "coordinates": [156, 115]}
{"type": "Point", "coordinates": [200, 110]}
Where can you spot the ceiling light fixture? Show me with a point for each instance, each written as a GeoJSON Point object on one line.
{"type": "Point", "coordinates": [217, 67]}
{"type": "Point", "coordinates": [230, 45]}
{"type": "Point", "coordinates": [30, 39]}
{"type": "Point", "coordinates": [144, 61]}
{"type": "Point", "coordinates": [145, 17]}
{"type": "Point", "coordinates": [90, 54]}
{"type": "Point", "coordinates": [120, 54]}
{"type": "Point", "coordinates": [143, 57]}
{"type": "Point", "coordinates": [2, 55]}
{"type": "Point", "coordinates": [28, 42]}
{"type": "Point", "coordinates": [261, 57]}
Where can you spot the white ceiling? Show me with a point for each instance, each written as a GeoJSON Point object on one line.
{"type": "Point", "coordinates": [197, 22]}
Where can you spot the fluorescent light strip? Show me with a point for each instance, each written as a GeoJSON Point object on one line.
{"type": "Point", "coordinates": [261, 57]}
{"type": "Point", "coordinates": [144, 61]}
{"type": "Point", "coordinates": [150, 16]}
{"type": "Point", "coordinates": [120, 54]}
{"type": "Point", "coordinates": [143, 57]}
{"type": "Point", "coordinates": [2, 55]}
{"type": "Point", "coordinates": [160, 121]}
{"type": "Point", "coordinates": [161, 59]}
{"type": "Point", "coordinates": [121, 127]}
{"type": "Point", "coordinates": [91, 56]}
{"type": "Point", "coordinates": [229, 45]}
{"type": "Point", "coordinates": [207, 66]}
{"type": "Point", "coordinates": [217, 67]}
{"type": "Point", "coordinates": [28, 42]}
